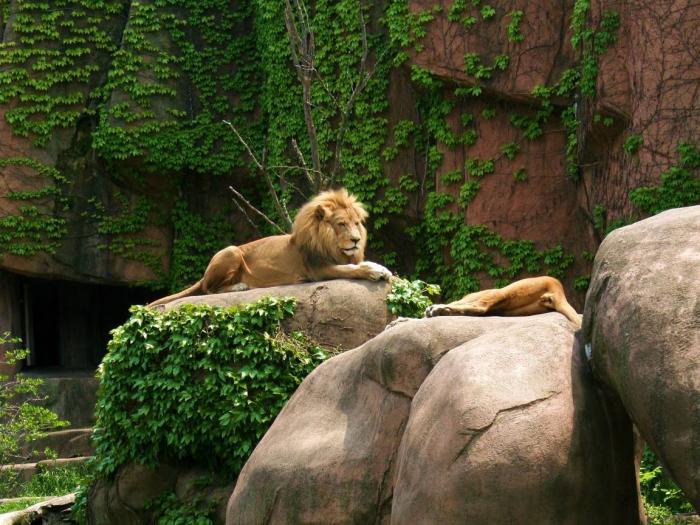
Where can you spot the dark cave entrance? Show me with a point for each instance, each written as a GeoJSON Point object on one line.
{"type": "Point", "coordinates": [66, 324]}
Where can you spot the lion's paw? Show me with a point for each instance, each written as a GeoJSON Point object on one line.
{"type": "Point", "coordinates": [437, 309]}
{"type": "Point", "coordinates": [376, 271]}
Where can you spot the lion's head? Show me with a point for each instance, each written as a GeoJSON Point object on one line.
{"type": "Point", "coordinates": [330, 228]}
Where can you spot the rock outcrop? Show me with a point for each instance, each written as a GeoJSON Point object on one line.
{"type": "Point", "coordinates": [340, 314]}
{"type": "Point", "coordinates": [337, 314]}
{"type": "Point", "coordinates": [128, 499]}
{"type": "Point", "coordinates": [642, 322]}
{"type": "Point", "coordinates": [446, 420]}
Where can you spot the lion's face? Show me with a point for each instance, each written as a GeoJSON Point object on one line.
{"type": "Point", "coordinates": [349, 232]}
{"type": "Point", "coordinates": [331, 227]}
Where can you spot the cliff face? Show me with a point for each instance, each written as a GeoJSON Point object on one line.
{"type": "Point", "coordinates": [490, 141]}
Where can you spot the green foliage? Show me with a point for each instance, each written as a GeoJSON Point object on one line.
{"type": "Point", "coordinates": [46, 79]}
{"type": "Point", "coordinates": [36, 227]}
{"type": "Point", "coordinates": [510, 150]}
{"type": "Point", "coordinates": [12, 506]}
{"type": "Point", "coordinates": [410, 298]}
{"type": "Point", "coordinates": [632, 144]}
{"type": "Point", "coordinates": [474, 67]}
{"type": "Point", "coordinates": [165, 42]}
{"type": "Point", "coordinates": [581, 283]}
{"type": "Point", "coordinates": [169, 510]}
{"type": "Point", "coordinates": [121, 230]}
{"type": "Point", "coordinates": [197, 383]}
{"type": "Point", "coordinates": [662, 497]}
{"type": "Point", "coordinates": [56, 480]}
{"type": "Point", "coordinates": [23, 421]}
{"type": "Point", "coordinates": [514, 34]}
{"type": "Point", "coordinates": [487, 12]}
{"type": "Point", "coordinates": [195, 241]}
{"type": "Point", "coordinates": [680, 185]}
{"type": "Point", "coordinates": [520, 175]}
{"type": "Point", "coordinates": [234, 63]}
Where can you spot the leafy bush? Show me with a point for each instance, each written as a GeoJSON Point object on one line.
{"type": "Point", "coordinates": [410, 298]}
{"type": "Point", "coordinates": [662, 497]}
{"type": "Point", "coordinates": [197, 383]}
{"type": "Point", "coordinates": [21, 419]}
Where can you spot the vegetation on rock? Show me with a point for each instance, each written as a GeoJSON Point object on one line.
{"type": "Point", "coordinates": [196, 383]}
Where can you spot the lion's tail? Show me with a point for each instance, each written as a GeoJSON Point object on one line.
{"type": "Point", "coordinates": [195, 289]}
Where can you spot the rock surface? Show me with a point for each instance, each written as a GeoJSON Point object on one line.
{"type": "Point", "coordinates": [446, 420]}
{"type": "Point", "coordinates": [642, 320]}
{"type": "Point", "coordinates": [341, 313]}
{"type": "Point", "coordinates": [124, 500]}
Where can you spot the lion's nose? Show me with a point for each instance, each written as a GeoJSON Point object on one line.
{"type": "Point", "coordinates": [355, 238]}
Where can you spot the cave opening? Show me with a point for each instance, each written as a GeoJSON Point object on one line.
{"type": "Point", "coordinates": [66, 324]}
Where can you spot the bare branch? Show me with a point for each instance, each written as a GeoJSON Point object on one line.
{"type": "Point", "coordinates": [303, 54]}
{"type": "Point", "coordinates": [280, 206]}
{"type": "Point", "coordinates": [245, 214]}
{"type": "Point", "coordinates": [254, 209]}
{"type": "Point", "coordinates": [303, 162]}
{"type": "Point", "coordinates": [245, 144]}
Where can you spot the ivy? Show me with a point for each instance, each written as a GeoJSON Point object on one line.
{"type": "Point", "coordinates": [37, 225]}
{"type": "Point", "coordinates": [632, 144]}
{"type": "Point", "coordinates": [513, 29]}
{"type": "Point", "coordinates": [177, 72]}
{"type": "Point", "coordinates": [195, 241]}
{"type": "Point", "coordinates": [410, 298]}
{"type": "Point", "coordinates": [197, 383]}
{"type": "Point", "coordinates": [680, 185]}
{"type": "Point", "coordinates": [46, 74]}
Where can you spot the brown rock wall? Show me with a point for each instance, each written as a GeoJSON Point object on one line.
{"type": "Point", "coordinates": [649, 82]}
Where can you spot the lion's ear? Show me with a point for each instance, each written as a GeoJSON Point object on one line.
{"type": "Point", "coordinates": [323, 212]}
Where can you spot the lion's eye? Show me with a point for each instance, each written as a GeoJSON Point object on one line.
{"type": "Point", "coordinates": [342, 224]}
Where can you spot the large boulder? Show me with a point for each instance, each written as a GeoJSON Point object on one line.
{"type": "Point", "coordinates": [642, 322]}
{"type": "Point", "coordinates": [446, 420]}
{"type": "Point", "coordinates": [341, 313]}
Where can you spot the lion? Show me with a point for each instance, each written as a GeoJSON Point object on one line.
{"type": "Point", "coordinates": [327, 241]}
{"type": "Point", "coordinates": [535, 295]}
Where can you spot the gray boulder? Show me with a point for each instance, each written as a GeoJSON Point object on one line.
{"type": "Point", "coordinates": [642, 325]}
{"type": "Point", "coordinates": [446, 420]}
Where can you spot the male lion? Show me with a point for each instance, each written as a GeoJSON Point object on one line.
{"type": "Point", "coordinates": [327, 242]}
{"type": "Point", "coordinates": [535, 295]}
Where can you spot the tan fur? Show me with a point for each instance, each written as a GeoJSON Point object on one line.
{"type": "Point", "coordinates": [535, 295]}
{"type": "Point", "coordinates": [327, 242]}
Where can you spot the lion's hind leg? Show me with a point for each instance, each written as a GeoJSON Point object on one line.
{"type": "Point", "coordinates": [478, 303]}
{"type": "Point", "coordinates": [223, 274]}
{"type": "Point", "coordinates": [557, 301]}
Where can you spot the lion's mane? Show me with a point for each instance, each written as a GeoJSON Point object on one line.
{"type": "Point", "coordinates": [315, 237]}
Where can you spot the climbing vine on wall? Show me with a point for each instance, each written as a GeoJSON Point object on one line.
{"type": "Point", "coordinates": [47, 71]}
{"type": "Point", "coordinates": [33, 227]}
{"type": "Point", "coordinates": [155, 79]}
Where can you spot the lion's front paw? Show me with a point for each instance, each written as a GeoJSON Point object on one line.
{"type": "Point", "coordinates": [376, 272]}
{"type": "Point", "coordinates": [437, 309]}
